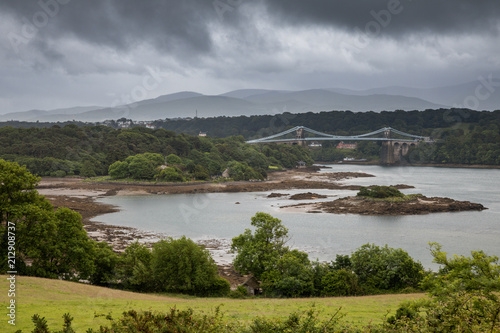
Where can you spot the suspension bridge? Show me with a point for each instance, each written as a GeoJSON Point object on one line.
{"type": "Point", "coordinates": [393, 148]}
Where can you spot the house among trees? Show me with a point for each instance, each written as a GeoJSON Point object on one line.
{"type": "Point", "coordinates": [343, 145]}
{"type": "Point", "coordinates": [202, 134]}
{"type": "Point", "coordinates": [301, 164]}
{"type": "Point", "coordinates": [252, 286]}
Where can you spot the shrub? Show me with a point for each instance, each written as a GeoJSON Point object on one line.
{"type": "Point", "coordinates": [380, 192]}
{"type": "Point", "coordinates": [180, 265]}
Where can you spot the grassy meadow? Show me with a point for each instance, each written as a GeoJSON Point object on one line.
{"type": "Point", "coordinates": [52, 298]}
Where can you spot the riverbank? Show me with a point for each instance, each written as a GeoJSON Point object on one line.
{"type": "Point", "coordinates": [423, 165]}
{"type": "Point", "coordinates": [81, 196]}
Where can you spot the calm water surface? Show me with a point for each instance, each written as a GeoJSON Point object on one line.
{"type": "Point", "coordinates": [217, 215]}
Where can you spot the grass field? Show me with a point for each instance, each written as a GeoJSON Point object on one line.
{"type": "Point", "coordinates": [52, 298]}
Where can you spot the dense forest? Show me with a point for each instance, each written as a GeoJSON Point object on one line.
{"type": "Point", "coordinates": [461, 137]}
{"type": "Point", "coordinates": [91, 150]}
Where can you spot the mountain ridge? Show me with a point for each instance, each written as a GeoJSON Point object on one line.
{"type": "Point", "coordinates": [248, 102]}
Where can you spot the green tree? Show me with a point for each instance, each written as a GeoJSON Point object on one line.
{"type": "Point", "coordinates": [171, 174]}
{"type": "Point", "coordinates": [134, 269]}
{"type": "Point", "coordinates": [201, 173]}
{"type": "Point", "coordinates": [119, 170]}
{"type": "Point", "coordinates": [180, 265]}
{"type": "Point", "coordinates": [88, 169]}
{"type": "Point", "coordinates": [140, 167]}
{"type": "Point", "coordinates": [463, 296]}
{"type": "Point", "coordinates": [291, 277]}
{"type": "Point", "coordinates": [384, 268]}
{"type": "Point", "coordinates": [342, 282]}
{"type": "Point", "coordinates": [259, 252]}
{"type": "Point", "coordinates": [105, 264]}
{"type": "Point", "coordinates": [173, 159]}
{"type": "Point", "coordinates": [53, 240]}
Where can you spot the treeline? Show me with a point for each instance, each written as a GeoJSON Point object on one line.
{"type": "Point", "coordinates": [334, 122]}
{"type": "Point", "coordinates": [466, 144]}
{"type": "Point", "coordinates": [289, 273]}
{"type": "Point", "coordinates": [91, 150]}
{"type": "Point", "coordinates": [462, 136]}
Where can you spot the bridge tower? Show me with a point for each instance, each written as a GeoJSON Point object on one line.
{"type": "Point", "coordinates": [299, 136]}
{"type": "Point", "coordinates": [387, 153]}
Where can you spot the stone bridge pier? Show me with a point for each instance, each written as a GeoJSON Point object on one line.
{"type": "Point", "coordinates": [393, 151]}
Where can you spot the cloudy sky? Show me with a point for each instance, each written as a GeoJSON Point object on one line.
{"type": "Point", "coordinates": [62, 53]}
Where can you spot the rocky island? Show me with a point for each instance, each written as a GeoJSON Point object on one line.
{"type": "Point", "coordinates": [386, 200]}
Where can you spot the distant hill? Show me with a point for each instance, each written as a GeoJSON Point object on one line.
{"type": "Point", "coordinates": [34, 115]}
{"type": "Point", "coordinates": [460, 95]}
{"type": "Point", "coordinates": [261, 101]}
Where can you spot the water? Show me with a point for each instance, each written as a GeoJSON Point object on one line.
{"type": "Point", "coordinates": [217, 215]}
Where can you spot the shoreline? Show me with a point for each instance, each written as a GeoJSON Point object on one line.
{"type": "Point", "coordinates": [82, 196]}
{"type": "Point", "coordinates": [420, 165]}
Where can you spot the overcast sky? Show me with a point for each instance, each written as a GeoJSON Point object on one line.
{"type": "Point", "coordinates": [62, 53]}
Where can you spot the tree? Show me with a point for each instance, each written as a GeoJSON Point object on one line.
{"type": "Point", "coordinates": [384, 268]}
{"type": "Point", "coordinates": [180, 265]}
{"type": "Point", "coordinates": [292, 276]}
{"type": "Point", "coordinates": [53, 240]}
{"type": "Point", "coordinates": [342, 282]}
{"type": "Point", "coordinates": [259, 252]}
{"type": "Point", "coordinates": [463, 296]}
{"type": "Point", "coordinates": [171, 174]}
{"type": "Point", "coordinates": [173, 159]}
{"type": "Point", "coordinates": [88, 169]}
{"type": "Point", "coordinates": [105, 263]}
{"type": "Point", "coordinates": [119, 170]}
{"type": "Point", "coordinates": [135, 268]}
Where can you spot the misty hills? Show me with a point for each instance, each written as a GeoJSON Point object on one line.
{"type": "Point", "coordinates": [261, 101]}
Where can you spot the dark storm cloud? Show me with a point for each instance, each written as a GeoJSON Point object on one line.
{"type": "Point", "coordinates": [402, 16]}
{"type": "Point", "coordinates": [122, 24]}
{"type": "Point", "coordinates": [183, 27]}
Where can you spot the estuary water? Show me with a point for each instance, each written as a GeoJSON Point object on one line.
{"type": "Point", "coordinates": [226, 215]}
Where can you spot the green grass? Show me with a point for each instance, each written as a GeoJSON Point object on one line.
{"type": "Point", "coordinates": [52, 298]}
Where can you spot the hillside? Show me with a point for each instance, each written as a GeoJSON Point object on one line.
{"type": "Point", "coordinates": [235, 103]}
{"type": "Point", "coordinates": [52, 298]}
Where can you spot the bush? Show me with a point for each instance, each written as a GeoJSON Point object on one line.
{"type": "Point", "coordinates": [384, 268]}
{"type": "Point", "coordinates": [171, 174]}
{"type": "Point", "coordinates": [182, 266]}
{"type": "Point", "coordinates": [380, 192]}
{"type": "Point", "coordinates": [340, 283]}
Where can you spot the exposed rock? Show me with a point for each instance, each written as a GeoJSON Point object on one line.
{"type": "Point", "coordinates": [415, 206]}
{"type": "Point", "coordinates": [307, 196]}
{"type": "Point", "coordinates": [276, 195]}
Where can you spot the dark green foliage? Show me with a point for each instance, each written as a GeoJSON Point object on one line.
{"type": "Point", "coordinates": [462, 297]}
{"type": "Point", "coordinates": [384, 268]}
{"type": "Point", "coordinates": [259, 252]}
{"type": "Point", "coordinates": [380, 192]}
{"type": "Point", "coordinates": [301, 322]}
{"type": "Point", "coordinates": [53, 240]}
{"type": "Point", "coordinates": [132, 321]}
{"type": "Point", "coordinates": [180, 265]}
{"type": "Point", "coordinates": [171, 174]}
{"type": "Point", "coordinates": [135, 153]}
{"type": "Point", "coordinates": [134, 268]}
{"type": "Point", "coordinates": [292, 276]}
{"type": "Point", "coordinates": [341, 282]}
{"type": "Point", "coordinates": [105, 263]}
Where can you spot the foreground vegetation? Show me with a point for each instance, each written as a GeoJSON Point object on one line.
{"type": "Point", "coordinates": [461, 298]}
{"type": "Point", "coordinates": [89, 305]}
{"type": "Point", "coordinates": [52, 243]}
